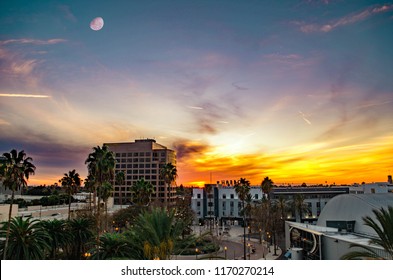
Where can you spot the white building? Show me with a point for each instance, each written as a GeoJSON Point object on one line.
{"type": "Point", "coordinates": [339, 225]}
{"type": "Point", "coordinates": [222, 203]}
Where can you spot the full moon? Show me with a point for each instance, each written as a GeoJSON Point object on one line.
{"type": "Point", "coordinates": [97, 23]}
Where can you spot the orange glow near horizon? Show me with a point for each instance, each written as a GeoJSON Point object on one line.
{"type": "Point", "coordinates": [312, 164]}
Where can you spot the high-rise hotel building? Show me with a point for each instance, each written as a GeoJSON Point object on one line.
{"type": "Point", "coordinates": [142, 159]}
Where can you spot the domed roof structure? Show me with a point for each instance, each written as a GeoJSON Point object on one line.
{"type": "Point", "coordinates": [353, 207]}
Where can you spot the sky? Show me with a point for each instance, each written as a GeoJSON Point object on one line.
{"type": "Point", "coordinates": [299, 91]}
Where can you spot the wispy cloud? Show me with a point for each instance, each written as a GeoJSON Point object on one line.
{"type": "Point", "coordinates": [32, 41]}
{"type": "Point", "coordinates": [346, 20]}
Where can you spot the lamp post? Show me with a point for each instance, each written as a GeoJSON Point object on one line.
{"type": "Point", "coordinates": [196, 253]}
{"type": "Point", "coordinates": [249, 251]}
{"type": "Point", "coordinates": [249, 232]}
{"type": "Point", "coordinates": [225, 251]}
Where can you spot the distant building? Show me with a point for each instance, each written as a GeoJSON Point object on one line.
{"type": "Point", "coordinates": [339, 225]}
{"type": "Point", "coordinates": [142, 159]}
{"type": "Point", "coordinates": [222, 204]}
{"type": "Point", "coordinates": [314, 197]}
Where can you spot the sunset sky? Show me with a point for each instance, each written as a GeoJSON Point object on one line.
{"type": "Point", "coordinates": [300, 91]}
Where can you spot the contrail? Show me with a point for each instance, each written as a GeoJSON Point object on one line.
{"type": "Point", "coordinates": [304, 117]}
{"type": "Point", "coordinates": [23, 95]}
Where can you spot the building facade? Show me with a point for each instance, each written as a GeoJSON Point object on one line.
{"type": "Point", "coordinates": [221, 203]}
{"type": "Point", "coordinates": [339, 226]}
{"type": "Point", "coordinates": [315, 199]}
{"type": "Point", "coordinates": [142, 159]}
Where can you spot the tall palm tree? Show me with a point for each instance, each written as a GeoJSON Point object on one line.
{"type": "Point", "coordinates": [105, 192]}
{"type": "Point", "coordinates": [168, 173]}
{"type": "Point", "coordinates": [299, 206]}
{"type": "Point", "coordinates": [16, 170]}
{"type": "Point", "coordinates": [266, 186]}
{"type": "Point", "coordinates": [208, 190]}
{"type": "Point", "coordinates": [242, 188]}
{"type": "Point", "coordinates": [101, 166]}
{"type": "Point", "coordinates": [60, 237]}
{"type": "Point", "coordinates": [141, 192]}
{"type": "Point", "coordinates": [90, 187]}
{"type": "Point", "coordinates": [120, 179]}
{"type": "Point", "coordinates": [71, 182]}
{"type": "Point", "coordinates": [282, 207]}
{"type": "Point", "coordinates": [28, 240]}
{"type": "Point", "coordinates": [383, 226]}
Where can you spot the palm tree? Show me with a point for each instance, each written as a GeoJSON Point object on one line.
{"type": "Point", "coordinates": [168, 173]}
{"type": "Point", "coordinates": [120, 178]}
{"type": "Point", "coordinates": [142, 191]}
{"type": "Point", "coordinates": [383, 226]}
{"type": "Point", "coordinates": [60, 237]}
{"type": "Point", "coordinates": [101, 165]}
{"type": "Point", "coordinates": [266, 186]}
{"type": "Point", "coordinates": [208, 190]}
{"type": "Point", "coordinates": [242, 188]}
{"type": "Point", "coordinates": [280, 209]}
{"type": "Point", "coordinates": [16, 170]}
{"type": "Point", "coordinates": [28, 240]}
{"type": "Point", "coordinates": [113, 246]}
{"type": "Point", "coordinates": [300, 206]}
{"type": "Point", "coordinates": [82, 234]}
{"type": "Point", "coordinates": [90, 187]}
{"type": "Point", "coordinates": [71, 182]}
{"type": "Point", "coordinates": [105, 192]}
{"type": "Point", "coordinates": [155, 233]}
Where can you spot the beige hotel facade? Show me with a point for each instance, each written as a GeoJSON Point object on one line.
{"type": "Point", "coordinates": [142, 159]}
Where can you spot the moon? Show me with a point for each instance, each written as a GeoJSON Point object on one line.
{"type": "Point", "coordinates": [97, 23]}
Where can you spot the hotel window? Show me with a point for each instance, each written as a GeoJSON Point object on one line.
{"type": "Point", "coordinates": [142, 154]}
{"type": "Point", "coordinates": [117, 154]}
{"type": "Point", "coordinates": [198, 203]}
{"type": "Point", "coordinates": [198, 195]}
{"type": "Point", "coordinates": [123, 154]}
{"type": "Point", "coordinates": [148, 154]}
{"type": "Point", "coordinates": [224, 196]}
{"type": "Point", "coordinates": [256, 196]}
{"type": "Point", "coordinates": [135, 154]}
{"type": "Point", "coordinates": [141, 165]}
{"type": "Point", "coordinates": [232, 196]}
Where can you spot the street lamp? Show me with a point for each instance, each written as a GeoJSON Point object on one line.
{"type": "Point", "coordinates": [87, 255]}
{"type": "Point", "coordinates": [225, 250]}
{"type": "Point", "coordinates": [196, 253]}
